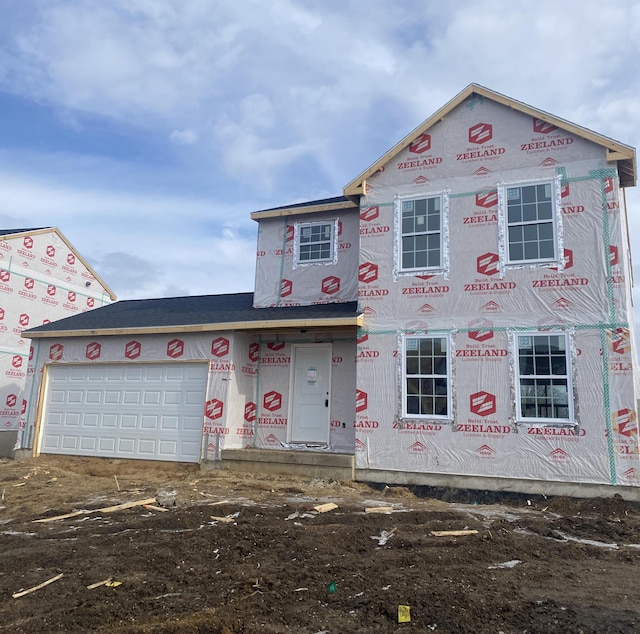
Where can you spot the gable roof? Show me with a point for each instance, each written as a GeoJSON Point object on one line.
{"type": "Point", "coordinates": [195, 314]}
{"type": "Point", "coordinates": [6, 234]}
{"type": "Point", "coordinates": [625, 155]}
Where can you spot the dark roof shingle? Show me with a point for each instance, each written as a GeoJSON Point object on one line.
{"type": "Point", "coordinates": [190, 311]}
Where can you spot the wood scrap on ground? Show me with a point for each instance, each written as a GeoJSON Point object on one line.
{"type": "Point", "coordinates": [16, 595]}
{"type": "Point", "coordinates": [106, 509]}
{"type": "Point", "coordinates": [379, 509]}
{"type": "Point", "coordinates": [323, 508]}
{"type": "Point", "coordinates": [99, 583]}
{"type": "Point", "coordinates": [454, 533]}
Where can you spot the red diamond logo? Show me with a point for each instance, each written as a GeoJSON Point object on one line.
{"type": "Point", "coordinates": [132, 350]}
{"type": "Point", "coordinates": [28, 242]}
{"type": "Point", "coordinates": [487, 264]}
{"type": "Point", "coordinates": [362, 401]}
{"type": "Point", "coordinates": [542, 127]}
{"type": "Point", "coordinates": [482, 330]}
{"type": "Point", "coordinates": [214, 409]}
{"type": "Point", "coordinates": [480, 133]}
{"type": "Point", "coordinates": [51, 251]}
{"type": "Point", "coordinates": [370, 213]}
{"type": "Point", "coordinates": [250, 410]}
{"type": "Point", "coordinates": [487, 199]}
{"type": "Point", "coordinates": [51, 290]}
{"type": "Point", "coordinates": [12, 400]}
{"type": "Point", "coordinates": [421, 144]}
{"type": "Point", "coordinates": [272, 401]}
{"type": "Point", "coordinates": [482, 403]}
{"type": "Point", "coordinates": [368, 272]}
{"type": "Point", "coordinates": [56, 351]}
{"type": "Point", "coordinates": [330, 285]}
{"type": "Point", "coordinates": [175, 348]}
{"type": "Point", "coordinates": [614, 255]}
{"type": "Point", "coordinates": [286, 288]}
{"type": "Point", "coordinates": [24, 319]}
{"type": "Point", "coordinates": [93, 350]}
{"type": "Point", "coordinates": [220, 347]}
{"type": "Point", "coordinates": [28, 283]}
{"type": "Point", "coordinates": [71, 259]}
{"type": "Point", "coordinates": [254, 352]}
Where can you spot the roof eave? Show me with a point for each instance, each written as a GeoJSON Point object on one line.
{"type": "Point", "coordinates": [298, 211]}
{"type": "Point", "coordinates": [329, 322]}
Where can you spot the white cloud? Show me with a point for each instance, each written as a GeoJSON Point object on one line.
{"type": "Point", "coordinates": [184, 137]}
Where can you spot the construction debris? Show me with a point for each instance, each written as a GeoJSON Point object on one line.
{"type": "Point", "coordinates": [15, 595]}
{"type": "Point", "coordinates": [106, 509]}
{"type": "Point", "coordinates": [454, 533]}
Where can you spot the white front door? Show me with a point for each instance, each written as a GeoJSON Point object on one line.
{"type": "Point", "coordinates": [311, 385]}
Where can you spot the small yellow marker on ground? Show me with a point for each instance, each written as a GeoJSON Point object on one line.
{"type": "Point", "coordinates": [404, 614]}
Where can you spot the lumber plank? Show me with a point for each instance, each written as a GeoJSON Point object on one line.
{"type": "Point", "coordinates": [454, 533]}
{"type": "Point", "coordinates": [15, 595]}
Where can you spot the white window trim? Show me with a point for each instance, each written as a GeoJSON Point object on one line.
{"type": "Point", "coordinates": [398, 271]}
{"type": "Point", "coordinates": [403, 374]}
{"type": "Point", "coordinates": [333, 259]}
{"type": "Point", "coordinates": [503, 242]}
{"type": "Point", "coordinates": [556, 422]}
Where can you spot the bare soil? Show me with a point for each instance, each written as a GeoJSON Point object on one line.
{"type": "Point", "coordinates": [535, 565]}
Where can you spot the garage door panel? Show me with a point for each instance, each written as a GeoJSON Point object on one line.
{"type": "Point", "coordinates": [145, 411]}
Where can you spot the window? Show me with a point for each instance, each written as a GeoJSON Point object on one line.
{"type": "Point", "coordinates": [315, 242]}
{"type": "Point", "coordinates": [426, 380]}
{"type": "Point", "coordinates": [531, 225]}
{"type": "Point", "coordinates": [420, 233]}
{"type": "Point", "coordinates": [544, 378]}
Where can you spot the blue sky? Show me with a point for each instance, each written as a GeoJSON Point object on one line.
{"type": "Point", "coordinates": [148, 130]}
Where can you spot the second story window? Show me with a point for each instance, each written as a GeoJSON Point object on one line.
{"type": "Point", "coordinates": [420, 228]}
{"type": "Point", "coordinates": [315, 242]}
{"type": "Point", "coordinates": [530, 223]}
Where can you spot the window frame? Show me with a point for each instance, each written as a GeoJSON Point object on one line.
{"type": "Point", "coordinates": [568, 376]}
{"type": "Point", "coordinates": [555, 221]}
{"type": "Point", "coordinates": [332, 241]}
{"type": "Point", "coordinates": [442, 234]}
{"type": "Point", "coordinates": [405, 377]}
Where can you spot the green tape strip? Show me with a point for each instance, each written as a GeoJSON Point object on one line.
{"type": "Point", "coordinates": [607, 407]}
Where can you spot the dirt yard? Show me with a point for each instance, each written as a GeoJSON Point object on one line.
{"type": "Point", "coordinates": [246, 554]}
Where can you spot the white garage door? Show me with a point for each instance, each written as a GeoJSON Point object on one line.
{"type": "Point", "coordinates": [144, 411]}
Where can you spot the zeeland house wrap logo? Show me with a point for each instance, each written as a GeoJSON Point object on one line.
{"type": "Point", "coordinates": [368, 278]}
{"type": "Point", "coordinates": [480, 343]}
{"type": "Point", "coordinates": [50, 297]}
{"type": "Point", "coordinates": [272, 403]}
{"type": "Point", "coordinates": [488, 265]}
{"type": "Point", "coordinates": [364, 351]}
{"type": "Point", "coordinates": [568, 208]}
{"type": "Point", "coordinates": [419, 156]}
{"type": "Point", "coordinates": [546, 136]}
{"type": "Point", "coordinates": [619, 347]}
{"type": "Point", "coordinates": [5, 278]}
{"type": "Point", "coordinates": [214, 411]}
{"type": "Point", "coordinates": [420, 285]}
{"type": "Point", "coordinates": [363, 423]}
{"type": "Point", "coordinates": [485, 211]}
{"type": "Point", "coordinates": [220, 347]}
{"type": "Point", "coordinates": [285, 236]}
{"type": "Point", "coordinates": [371, 224]}
{"type": "Point", "coordinates": [563, 278]}
{"type": "Point", "coordinates": [11, 404]}
{"type": "Point", "coordinates": [483, 405]}
{"type": "Point", "coordinates": [423, 428]}
{"type": "Point", "coordinates": [624, 424]}
{"type": "Point", "coordinates": [568, 434]}
{"type": "Point", "coordinates": [48, 258]}
{"type": "Point", "coordinates": [70, 304]}
{"type": "Point", "coordinates": [16, 370]}
{"type": "Point", "coordinates": [478, 136]}
{"type": "Point", "coordinates": [617, 279]}
{"type": "Point", "coordinates": [27, 290]}
{"type": "Point", "coordinates": [27, 245]}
